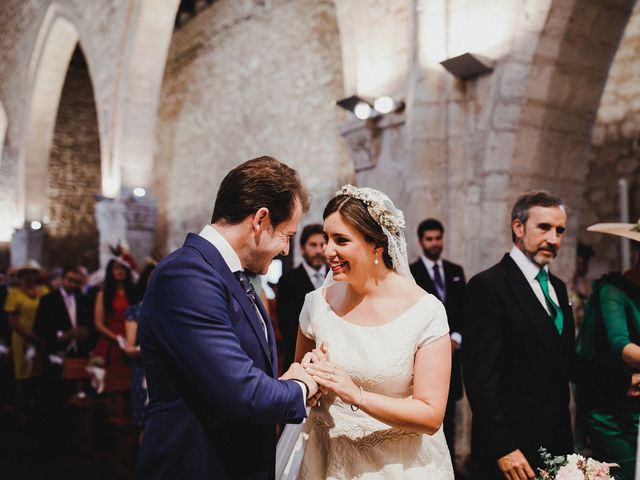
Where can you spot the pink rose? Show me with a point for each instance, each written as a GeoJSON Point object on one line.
{"type": "Point", "coordinates": [570, 472]}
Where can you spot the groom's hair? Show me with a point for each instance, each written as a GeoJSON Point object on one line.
{"type": "Point", "coordinates": [355, 213]}
{"type": "Point", "coordinates": [260, 182]}
{"type": "Point", "coordinates": [533, 198]}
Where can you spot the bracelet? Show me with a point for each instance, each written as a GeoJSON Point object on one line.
{"type": "Point", "coordinates": [355, 408]}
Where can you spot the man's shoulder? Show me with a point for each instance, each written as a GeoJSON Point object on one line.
{"type": "Point", "coordinates": [417, 266]}
{"type": "Point", "coordinates": [489, 275]}
{"type": "Point", "coordinates": [453, 266]}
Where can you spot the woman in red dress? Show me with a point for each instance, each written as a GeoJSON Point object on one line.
{"type": "Point", "coordinates": [111, 302]}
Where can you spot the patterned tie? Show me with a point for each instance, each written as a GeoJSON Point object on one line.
{"type": "Point", "coordinates": [437, 279]}
{"type": "Point", "coordinates": [555, 311]}
{"type": "Point", "coordinates": [246, 285]}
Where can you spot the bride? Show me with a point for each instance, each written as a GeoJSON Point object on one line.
{"type": "Point", "coordinates": [386, 357]}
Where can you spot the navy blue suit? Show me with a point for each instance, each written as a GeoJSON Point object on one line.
{"type": "Point", "coordinates": [214, 396]}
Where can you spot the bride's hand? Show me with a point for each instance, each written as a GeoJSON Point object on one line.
{"type": "Point", "coordinates": [335, 379]}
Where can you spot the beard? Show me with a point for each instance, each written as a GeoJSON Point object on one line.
{"type": "Point", "coordinates": [315, 261]}
{"type": "Point", "coordinates": [432, 253]}
{"type": "Point", "coordinates": [540, 256]}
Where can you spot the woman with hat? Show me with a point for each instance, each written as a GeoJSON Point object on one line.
{"type": "Point", "coordinates": [610, 333]}
{"type": "Point", "coordinates": [111, 303]}
{"type": "Point", "coordinates": [21, 306]}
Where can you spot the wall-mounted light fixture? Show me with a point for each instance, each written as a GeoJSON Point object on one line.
{"type": "Point", "coordinates": [365, 108]}
{"type": "Point", "coordinates": [468, 65]}
{"type": "Point", "coordinates": [36, 225]}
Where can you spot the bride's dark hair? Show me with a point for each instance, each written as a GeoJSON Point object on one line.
{"type": "Point", "coordinates": [354, 212]}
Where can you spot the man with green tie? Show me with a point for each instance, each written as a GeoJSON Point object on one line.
{"type": "Point", "coordinates": [519, 353]}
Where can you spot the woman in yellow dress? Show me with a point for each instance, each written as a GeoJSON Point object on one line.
{"type": "Point", "coordinates": [21, 306]}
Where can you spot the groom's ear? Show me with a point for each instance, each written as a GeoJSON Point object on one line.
{"type": "Point", "coordinates": [260, 219]}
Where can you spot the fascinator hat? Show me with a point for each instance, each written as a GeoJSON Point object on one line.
{"type": "Point", "coordinates": [625, 230]}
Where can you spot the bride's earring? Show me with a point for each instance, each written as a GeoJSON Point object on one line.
{"type": "Point", "coordinates": [375, 259]}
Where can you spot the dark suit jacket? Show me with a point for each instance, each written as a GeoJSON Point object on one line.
{"type": "Point", "coordinates": [455, 303]}
{"type": "Point", "coordinates": [214, 397]}
{"type": "Point", "coordinates": [52, 317]}
{"type": "Point", "coordinates": [517, 369]}
{"type": "Point", "coordinates": [292, 288]}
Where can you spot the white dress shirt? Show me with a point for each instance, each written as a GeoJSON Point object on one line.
{"type": "Point", "coordinates": [70, 303]}
{"type": "Point", "coordinates": [316, 276]}
{"type": "Point", "coordinates": [530, 271]}
{"type": "Point", "coordinates": [232, 260]}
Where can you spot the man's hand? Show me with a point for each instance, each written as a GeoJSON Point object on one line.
{"type": "Point", "coordinates": [514, 466]}
{"type": "Point", "coordinates": [77, 333]}
{"type": "Point", "coordinates": [296, 372]}
{"type": "Point", "coordinates": [634, 388]}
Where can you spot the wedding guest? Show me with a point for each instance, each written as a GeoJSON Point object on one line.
{"type": "Point", "coordinates": [389, 358]}
{"type": "Point", "coordinates": [295, 284]}
{"type": "Point", "coordinates": [62, 319]}
{"type": "Point", "coordinates": [132, 349]}
{"type": "Point", "coordinates": [519, 354]}
{"type": "Point", "coordinates": [580, 287]}
{"type": "Point", "coordinates": [610, 333]}
{"type": "Point", "coordinates": [445, 280]}
{"type": "Point", "coordinates": [112, 301]}
{"type": "Point", "coordinates": [21, 306]}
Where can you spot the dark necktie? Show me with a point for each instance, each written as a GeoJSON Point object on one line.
{"type": "Point", "coordinates": [554, 310]}
{"type": "Point", "coordinates": [246, 285]}
{"type": "Point", "coordinates": [437, 279]}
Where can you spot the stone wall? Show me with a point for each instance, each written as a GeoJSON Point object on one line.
{"type": "Point", "coordinates": [245, 79]}
{"type": "Point", "coordinates": [74, 173]}
{"type": "Point", "coordinates": [615, 152]}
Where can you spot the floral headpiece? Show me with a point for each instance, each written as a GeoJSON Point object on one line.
{"type": "Point", "coordinates": [390, 219]}
{"type": "Point", "coordinates": [393, 221]}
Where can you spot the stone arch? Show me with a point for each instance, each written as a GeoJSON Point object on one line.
{"type": "Point", "coordinates": [56, 41]}
{"type": "Point", "coordinates": [560, 98]}
{"type": "Point", "coordinates": [134, 120]}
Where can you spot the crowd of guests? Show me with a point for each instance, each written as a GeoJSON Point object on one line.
{"type": "Point", "coordinates": [49, 318]}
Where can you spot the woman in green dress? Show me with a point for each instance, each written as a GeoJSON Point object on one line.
{"type": "Point", "coordinates": [610, 333]}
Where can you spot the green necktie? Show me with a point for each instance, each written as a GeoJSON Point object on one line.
{"type": "Point", "coordinates": [556, 312]}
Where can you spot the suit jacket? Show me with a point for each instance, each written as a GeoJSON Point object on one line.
{"type": "Point", "coordinates": [52, 317]}
{"type": "Point", "coordinates": [454, 304]}
{"type": "Point", "coordinates": [292, 288]}
{"type": "Point", "coordinates": [214, 397]}
{"type": "Point", "coordinates": [517, 369]}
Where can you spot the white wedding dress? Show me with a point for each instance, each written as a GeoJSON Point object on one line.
{"type": "Point", "coordinates": [343, 444]}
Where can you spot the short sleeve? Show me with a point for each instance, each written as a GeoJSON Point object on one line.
{"type": "Point", "coordinates": [11, 304]}
{"type": "Point", "coordinates": [305, 317]}
{"type": "Point", "coordinates": [436, 325]}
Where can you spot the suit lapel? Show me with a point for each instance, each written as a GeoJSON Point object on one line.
{"type": "Point", "coordinates": [64, 313]}
{"type": "Point", "coordinates": [305, 282]}
{"type": "Point", "coordinates": [424, 279]}
{"type": "Point", "coordinates": [531, 308]}
{"type": "Point", "coordinates": [213, 257]}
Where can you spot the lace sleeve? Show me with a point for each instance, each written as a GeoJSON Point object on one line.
{"type": "Point", "coordinates": [306, 326]}
{"type": "Point", "coordinates": [436, 325]}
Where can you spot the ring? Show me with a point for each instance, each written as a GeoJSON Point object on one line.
{"type": "Point", "coordinates": [331, 377]}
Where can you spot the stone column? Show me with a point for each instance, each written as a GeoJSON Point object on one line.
{"type": "Point", "coordinates": [28, 244]}
{"type": "Point", "coordinates": [130, 219]}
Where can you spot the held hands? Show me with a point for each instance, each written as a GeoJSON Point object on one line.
{"type": "Point", "coordinates": [514, 466]}
{"type": "Point", "coordinates": [296, 372]}
{"type": "Point", "coordinates": [331, 377]}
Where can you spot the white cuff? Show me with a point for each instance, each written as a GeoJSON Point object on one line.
{"type": "Point", "coordinates": [456, 337]}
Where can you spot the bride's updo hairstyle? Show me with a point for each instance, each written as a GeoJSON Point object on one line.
{"type": "Point", "coordinates": [354, 212]}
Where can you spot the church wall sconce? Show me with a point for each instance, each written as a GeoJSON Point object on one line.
{"type": "Point", "coordinates": [468, 66]}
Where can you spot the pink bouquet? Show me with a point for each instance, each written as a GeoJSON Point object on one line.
{"type": "Point", "coordinates": [573, 467]}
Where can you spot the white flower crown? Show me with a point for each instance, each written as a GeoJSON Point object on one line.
{"type": "Point", "coordinates": [392, 221]}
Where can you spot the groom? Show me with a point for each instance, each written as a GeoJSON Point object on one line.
{"type": "Point", "coordinates": [207, 343]}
